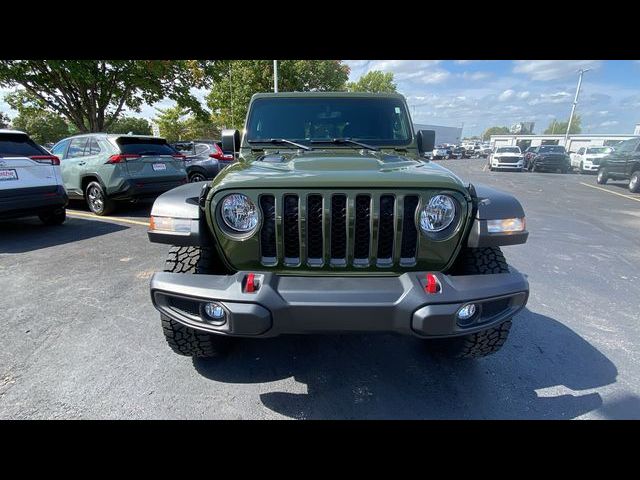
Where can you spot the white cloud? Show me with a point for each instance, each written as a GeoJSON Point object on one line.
{"type": "Point", "coordinates": [463, 62]}
{"type": "Point", "coordinates": [545, 70]}
{"type": "Point", "coordinates": [609, 123]}
{"type": "Point", "coordinates": [524, 95]}
{"type": "Point", "coordinates": [506, 95]}
{"type": "Point", "coordinates": [475, 75]}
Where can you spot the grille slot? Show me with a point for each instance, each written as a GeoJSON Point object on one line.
{"type": "Point", "coordinates": [339, 230]}
{"type": "Point", "coordinates": [362, 235]}
{"type": "Point", "coordinates": [409, 231]}
{"type": "Point", "coordinates": [386, 231]}
{"type": "Point", "coordinates": [315, 242]}
{"type": "Point", "coordinates": [291, 231]}
{"type": "Point", "coordinates": [268, 232]}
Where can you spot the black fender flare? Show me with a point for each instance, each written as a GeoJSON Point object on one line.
{"type": "Point", "coordinates": [492, 204]}
{"type": "Point", "coordinates": [184, 203]}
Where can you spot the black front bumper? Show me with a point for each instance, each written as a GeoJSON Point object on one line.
{"type": "Point", "coordinates": [145, 187]}
{"type": "Point", "coordinates": [25, 202]}
{"type": "Point", "coordinates": [294, 305]}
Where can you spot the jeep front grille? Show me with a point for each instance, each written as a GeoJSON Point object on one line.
{"type": "Point", "coordinates": [339, 230]}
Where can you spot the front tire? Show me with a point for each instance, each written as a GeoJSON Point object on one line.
{"type": "Point", "coordinates": [185, 340]}
{"type": "Point", "coordinates": [603, 176]}
{"type": "Point", "coordinates": [476, 261]}
{"type": "Point", "coordinates": [55, 217]}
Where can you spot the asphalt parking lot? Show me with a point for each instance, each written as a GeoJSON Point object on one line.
{"type": "Point", "coordinates": [80, 338]}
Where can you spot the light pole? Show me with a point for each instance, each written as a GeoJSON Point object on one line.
{"type": "Point", "coordinates": [275, 76]}
{"type": "Point", "coordinates": [575, 102]}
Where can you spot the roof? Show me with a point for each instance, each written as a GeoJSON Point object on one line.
{"type": "Point", "coordinates": [7, 130]}
{"type": "Point", "coordinates": [111, 135]}
{"type": "Point", "coordinates": [327, 94]}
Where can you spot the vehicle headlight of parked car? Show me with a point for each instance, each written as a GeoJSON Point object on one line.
{"type": "Point", "coordinates": [239, 215]}
{"type": "Point", "coordinates": [438, 214]}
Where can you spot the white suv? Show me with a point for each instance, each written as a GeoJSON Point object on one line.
{"type": "Point", "coordinates": [30, 180]}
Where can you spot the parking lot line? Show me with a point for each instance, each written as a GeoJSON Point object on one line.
{"type": "Point", "coordinates": [74, 213]}
{"type": "Point", "coordinates": [609, 191]}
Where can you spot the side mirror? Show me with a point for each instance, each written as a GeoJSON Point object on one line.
{"type": "Point", "coordinates": [426, 141]}
{"type": "Point", "coordinates": [230, 141]}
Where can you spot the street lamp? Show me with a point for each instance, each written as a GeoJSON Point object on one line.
{"type": "Point", "coordinates": [575, 102]}
{"type": "Point", "coordinates": [275, 76]}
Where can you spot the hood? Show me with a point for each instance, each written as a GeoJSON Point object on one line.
{"type": "Point", "coordinates": [342, 168]}
{"type": "Point", "coordinates": [507, 154]}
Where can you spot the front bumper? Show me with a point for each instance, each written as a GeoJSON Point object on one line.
{"type": "Point", "coordinates": [25, 202]}
{"type": "Point", "coordinates": [513, 166]}
{"type": "Point", "coordinates": [296, 305]}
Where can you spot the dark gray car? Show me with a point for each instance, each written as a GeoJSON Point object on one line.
{"type": "Point", "coordinates": [204, 158]}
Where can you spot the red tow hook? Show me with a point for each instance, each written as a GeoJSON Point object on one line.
{"type": "Point", "coordinates": [250, 285]}
{"type": "Point", "coordinates": [432, 285]}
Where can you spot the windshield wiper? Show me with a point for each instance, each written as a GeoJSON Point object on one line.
{"type": "Point", "coordinates": [347, 140]}
{"type": "Point", "coordinates": [281, 141]}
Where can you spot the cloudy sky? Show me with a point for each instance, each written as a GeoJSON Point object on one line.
{"type": "Point", "coordinates": [477, 94]}
{"type": "Point", "coordinates": [481, 93]}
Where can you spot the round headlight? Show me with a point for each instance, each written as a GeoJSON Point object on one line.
{"type": "Point", "coordinates": [437, 214]}
{"type": "Point", "coordinates": [239, 213]}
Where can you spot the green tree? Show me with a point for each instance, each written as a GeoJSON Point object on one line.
{"type": "Point", "coordinates": [560, 128]}
{"type": "Point", "coordinates": [137, 125]}
{"type": "Point", "coordinates": [91, 94]}
{"type": "Point", "coordinates": [374, 81]}
{"type": "Point", "coordinates": [42, 125]}
{"type": "Point", "coordinates": [171, 123]}
{"type": "Point", "coordinates": [237, 80]}
{"type": "Point", "coordinates": [5, 121]}
{"type": "Point", "coordinates": [494, 131]}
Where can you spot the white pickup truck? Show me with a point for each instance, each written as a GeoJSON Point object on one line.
{"type": "Point", "coordinates": [587, 159]}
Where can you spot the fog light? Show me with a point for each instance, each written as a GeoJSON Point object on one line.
{"type": "Point", "coordinates": [214, 311]}
{"type": "Point", "coordinates": [467, 312]}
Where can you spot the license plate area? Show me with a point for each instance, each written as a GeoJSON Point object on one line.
{"type": "Point", "coordinates": [159, 167]}
{"type": "Point", "coordinates": [7, 174]}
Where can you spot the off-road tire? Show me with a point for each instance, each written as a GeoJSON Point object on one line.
{"type": "Point", "coordinates": [54, 217]}
{"type": "Point", "coordinates": [634, 182]}
{"type": "Point", "coordinates": [185, 340]}
{"type": "Point", "coordinates": [476, 261]}
{"type": "Point", "coordinates": [602, 176]}
{"type": "Point", "coordinates": [190, 342]}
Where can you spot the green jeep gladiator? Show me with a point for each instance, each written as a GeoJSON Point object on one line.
{"type": "Point", "coordinates": [332, 221]}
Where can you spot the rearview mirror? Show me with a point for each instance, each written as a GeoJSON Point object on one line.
{"type": "Point", "coordinates": [230, 141]}
{"type": "Point", "coordinates": [426, 141]}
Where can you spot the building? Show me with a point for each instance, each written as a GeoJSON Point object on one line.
{"type": "Point", "coordinates": [574, 142]}
{"type": "Point", "coordinates": [451, 135]}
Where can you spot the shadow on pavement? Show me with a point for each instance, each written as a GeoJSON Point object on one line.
{"type": "Point", "coordinates": [139, 209]}
{"type": "Point", "coordinates": [28, 234]}
{"type": "Point", "coordinates": [391, 376]}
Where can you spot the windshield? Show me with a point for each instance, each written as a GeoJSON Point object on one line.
{"type": "Point", "coordinates": [376, 121]}
{"type": "Point", "coordinates": [552, 149]}
{"type": "Point", "coordinates": [508, 150]}
{"type": "Point", "coordinates": [596, 150]}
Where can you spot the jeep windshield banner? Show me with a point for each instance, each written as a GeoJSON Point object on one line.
{"type": "Point", "coordinates": [376, 121]}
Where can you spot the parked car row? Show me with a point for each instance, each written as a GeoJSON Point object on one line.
{"type": "Point", "coordinates": [100, 168]}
